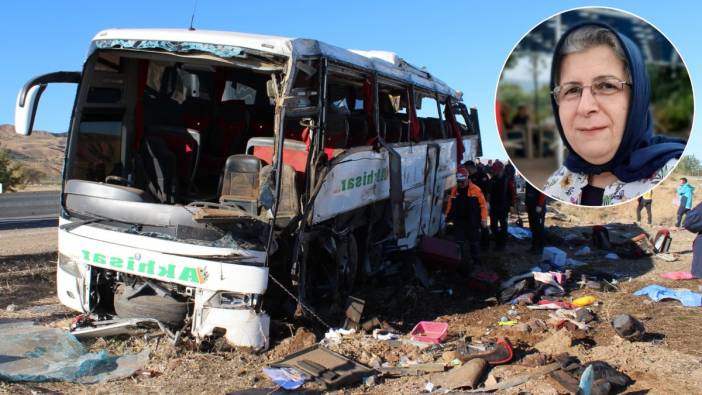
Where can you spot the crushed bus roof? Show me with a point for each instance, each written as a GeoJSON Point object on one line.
{"type": "Point", "coordinates": [384, 63]}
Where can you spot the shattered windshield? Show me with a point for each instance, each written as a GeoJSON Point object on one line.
{"type": "Point", "coordinates": [222, 51]}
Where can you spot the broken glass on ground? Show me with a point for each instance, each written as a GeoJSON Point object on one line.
{"type": "Point", "coordinates": [30, 352]}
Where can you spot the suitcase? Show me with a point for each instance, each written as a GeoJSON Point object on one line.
{"type": "Point", "coordinates": [662, 240]}
{"type": "Point", "coordinates": [440, 253]}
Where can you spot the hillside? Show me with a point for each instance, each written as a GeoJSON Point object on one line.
{"type": "Point", "coordinates": [42, 152]}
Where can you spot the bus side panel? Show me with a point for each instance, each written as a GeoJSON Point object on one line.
{"type": "Point", "coordinates": [357, 180]}
{"type": "Point", "coordinates": [413, 181]}
{"type": "Point", "coordinates": [445, 180]}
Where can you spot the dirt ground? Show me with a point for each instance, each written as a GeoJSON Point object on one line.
{"type": "Point", "coordinates": [667, 361]}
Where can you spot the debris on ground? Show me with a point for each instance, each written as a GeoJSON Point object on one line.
{"type": "Point", "coordinates": [678, 276]}
{"type": "Point", "coordinates": [36, 353]}
{"type": "Point", "coordinates": [287, 378]}
{"type": "Point", "coordinates": [429, 332]}
{"type": "Point", "coordinates": [628, 327]}
{"type": "Point", "coordinates": [325, 366]}
{"type": "Point", "coordinates": [467, 375]}
{"type": "Point", "coordinates": [530, 298]}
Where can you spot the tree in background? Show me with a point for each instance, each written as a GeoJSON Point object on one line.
{"type": "Point", "coordinates": [689, 165]}
{"type": "Point", "coordinates": [12, 174]}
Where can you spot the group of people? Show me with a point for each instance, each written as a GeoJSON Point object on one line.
{"type": "Point", "coordinates": [488, 192]}
{"type": "Point", "coordinates": [683, 200]}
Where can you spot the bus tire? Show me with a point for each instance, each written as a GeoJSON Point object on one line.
{"type": "Point", "coordinates": [165, 309]}
{"type": "Point", "coordinates": [347, 262]}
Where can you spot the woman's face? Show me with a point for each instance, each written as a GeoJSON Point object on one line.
{"type": "Point", "coordinates": [594, 125]}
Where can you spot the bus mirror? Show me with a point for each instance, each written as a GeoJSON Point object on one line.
{"type": "Point", "coordinates": [25, 112]}
{"type": "Point", "coordinates": [28, 98]}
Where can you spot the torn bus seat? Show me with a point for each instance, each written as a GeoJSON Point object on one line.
{"type": "Point", "coordinates": [240, 183]}
{"type": "Point", "coordinates": [156, 170]}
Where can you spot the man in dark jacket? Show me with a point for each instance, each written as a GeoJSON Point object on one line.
{"type": "Point", "coordinates": [536, 211]}
{"type": "Point", "coordinates": [693, 223]}
{"type": "Point", "coordinates": [467, 210]}
{"type": "Point", "coordinates": [478, 177]}
{"type": "Point", "coordinates": [502, 197]}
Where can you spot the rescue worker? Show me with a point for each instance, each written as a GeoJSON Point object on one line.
{"type": "Point", "coordinates": [467, 210]}
{"type": "Point", "coordinates": [503, 197]}
{"type": "Point", "coordinates": [536, 212]}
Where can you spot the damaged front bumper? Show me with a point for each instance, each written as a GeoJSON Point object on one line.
{"type": "Point", "coordinates": [226, 292]}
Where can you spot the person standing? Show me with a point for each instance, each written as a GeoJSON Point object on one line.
{"type": "Point", "coordinates": [536, 212]}
{"type": "Point", "coordinates": [645, 200]}
{"type": "Point", "coordinates": [502, 197]}
{"type": "Point", "coordinates": [684, 191]}
{"type": "Point", "coordinates": [693, 223]}
{"type": "Point", "coordinates": [478, 176]}
{"type": "Point", "coordinates": [467, 210]}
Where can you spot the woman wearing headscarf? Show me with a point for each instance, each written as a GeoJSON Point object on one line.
{"type": "Point", "coordinates": [600, 99]}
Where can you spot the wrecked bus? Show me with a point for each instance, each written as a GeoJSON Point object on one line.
{"type": "Point", "coordinates": [201, 164]}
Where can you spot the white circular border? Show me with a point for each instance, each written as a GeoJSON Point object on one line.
{"type": "Point", "coordinates": [692, 86]}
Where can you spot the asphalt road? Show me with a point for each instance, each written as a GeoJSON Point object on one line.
{"type": "Point", "coordinates": [23, 210]}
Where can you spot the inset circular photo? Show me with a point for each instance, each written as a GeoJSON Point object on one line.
{"type": "Point", "coordinates": [594, 106]}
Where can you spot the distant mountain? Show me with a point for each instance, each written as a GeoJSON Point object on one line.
{"type": "Point", "coordinates": [42, 151]}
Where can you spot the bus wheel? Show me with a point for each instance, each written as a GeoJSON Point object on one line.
{"type": "Point", "coordinates": [346, 263]}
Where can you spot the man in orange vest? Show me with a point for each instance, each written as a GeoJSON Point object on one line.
{"type": "Point", "coordinates": [467, 210]}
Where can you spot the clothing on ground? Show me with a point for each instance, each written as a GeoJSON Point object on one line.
{"type": "Point", "coordinates": [658, 292]}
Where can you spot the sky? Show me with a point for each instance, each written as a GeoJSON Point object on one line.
{"type": "Point", "coordinates": [464, 43]}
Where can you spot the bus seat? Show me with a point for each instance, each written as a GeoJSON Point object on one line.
{"type": "Point", "coordinates": [240, 182]}
{"type": "Point", "coordinates": [294, 151]}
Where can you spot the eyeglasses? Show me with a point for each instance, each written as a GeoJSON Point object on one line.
{"type": "Point", "coordinates": [572, 92]}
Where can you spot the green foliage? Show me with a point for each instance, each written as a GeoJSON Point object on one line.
{"type": "Point", "coordinates": [671, 99]}
{"type": "Point", "coordinates": [12, 174]}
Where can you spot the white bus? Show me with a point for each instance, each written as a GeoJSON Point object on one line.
{"type": "Point", "coordinates": [200, 164]}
